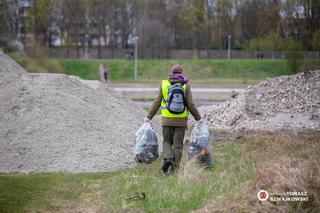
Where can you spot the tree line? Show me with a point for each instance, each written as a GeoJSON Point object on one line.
{"type": "Point", "coordinates": [165, 24]}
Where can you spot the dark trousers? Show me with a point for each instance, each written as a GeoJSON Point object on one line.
{"type": "Point", "coordinates": [173, 142]}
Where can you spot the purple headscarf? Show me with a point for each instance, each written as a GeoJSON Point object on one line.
{"type": "Point", "coordinates": [179, 76]}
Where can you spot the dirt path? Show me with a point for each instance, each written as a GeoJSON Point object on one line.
{"type": "Point", "coordinates": [199, 91]}
{"type": "Point", "coordinates": [194, 85]}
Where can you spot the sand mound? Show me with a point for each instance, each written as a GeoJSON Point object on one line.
{"type": "Point", "coordinates": [283, 103]}
{"type": "Point", "coordinates": [53, 123]}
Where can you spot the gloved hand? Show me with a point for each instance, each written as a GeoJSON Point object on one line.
{"type": "Point", "coordinates": [147, 120]}
{"type": "Point", "coordinates": [199, 122]}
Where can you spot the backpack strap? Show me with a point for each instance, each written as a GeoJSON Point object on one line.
{"type": "Point", "coordinates": [164, 89]}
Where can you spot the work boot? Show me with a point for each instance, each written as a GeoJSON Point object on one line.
{"type": "Point", "coordinates": [165, 166]}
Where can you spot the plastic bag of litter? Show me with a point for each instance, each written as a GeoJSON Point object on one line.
{"type": "Point", "coordinates": [199, 145]}
{"type": "Point", "coordinates": [145, 144]}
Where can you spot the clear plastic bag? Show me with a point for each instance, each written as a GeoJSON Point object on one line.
{"type": "Point", "coordinates": [146, 144]}
{"type": "Point", "coordinates": [199, 145]}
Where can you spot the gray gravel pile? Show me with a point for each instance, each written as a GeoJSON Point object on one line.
{"type": "Point", "coordinates": [56, 123]}
{"type": "Point", "coordinates": [287, 102]}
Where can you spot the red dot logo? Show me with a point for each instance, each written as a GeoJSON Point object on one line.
{"type": "Point", "coordinates": [263, 195]}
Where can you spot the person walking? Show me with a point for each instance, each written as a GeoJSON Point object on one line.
{"type": "Point", "coordinates": [103, 73]}
{"type": "Point", "coordinates": [175, 99]}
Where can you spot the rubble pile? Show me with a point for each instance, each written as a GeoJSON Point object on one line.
{"type": "Point", "coordinates": [58, 123]}
{"type": "Point", "coordinates": [287, 102]}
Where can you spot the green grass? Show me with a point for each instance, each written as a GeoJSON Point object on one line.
{"type": "Point", "coordinates": [40, 65]}
{"type": "Point", "coordinates": [46, 192]}
{"type": "Point", "coordinates": [84, 69]}
{"type": "Point", "coordinates": [200, 71]}
{"type": "Point", "coordinates": [22, 192]}
{"type": "Point", "coordinates": [190, 189]}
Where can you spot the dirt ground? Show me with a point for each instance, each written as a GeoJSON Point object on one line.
{"type": "Point", "coordinates": [216, 92]}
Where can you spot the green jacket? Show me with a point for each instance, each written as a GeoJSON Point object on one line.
{"type": "Point", "coordinates": [175, 121]}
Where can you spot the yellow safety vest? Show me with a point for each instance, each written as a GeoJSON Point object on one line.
{"type": "Point", "coordinates": [164, 111]}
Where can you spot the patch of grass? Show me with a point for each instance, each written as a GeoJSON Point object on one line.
{"type": "Point", "coordinates": [231, 183]}
{"type": "Point", "coordinates": [84, 69]}
{"type": "Point", "coordinates": [55, 192]}
{"type": "Point", "coordinates": [39, 65]}
{"type": "Point", "coordinates": [45, 192]}
{"type": "Point", "coordinates": [244, 71]}
{"type": "Point", "coordinates": [285, 164]}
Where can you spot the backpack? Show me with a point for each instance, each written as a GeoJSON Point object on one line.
{"type": "Point", "coordinates": [176, 102]}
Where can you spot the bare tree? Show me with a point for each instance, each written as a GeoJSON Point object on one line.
{"type": "Point", "coordinates": [9, 19]}
{"type": "Point", "coordinates": [39, 20]}
{"type": "Point", "coordinates": [163, 24]}
{"type": "Point", "coordinates": [100, 20]}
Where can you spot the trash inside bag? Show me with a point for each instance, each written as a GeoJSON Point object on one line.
{"type": "Point", "coordinates": [199, 145]}
{"type": "Point", "coordinates": [145, 144]}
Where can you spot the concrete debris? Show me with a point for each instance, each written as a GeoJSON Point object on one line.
{"type": "Point", "coordinates": [283, 103]}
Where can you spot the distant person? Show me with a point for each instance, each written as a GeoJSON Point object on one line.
{"type": "Point", "coordinates": [127, 55]}
{"type": "Point", "coordinates": [131, 55]}
{"type": "Point", "coordinates": [175, 99]}
{"type": "Point", "coordinates": [103, 73]}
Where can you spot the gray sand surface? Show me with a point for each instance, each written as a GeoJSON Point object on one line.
{"type": "Point", "coordinates": [59, 123]}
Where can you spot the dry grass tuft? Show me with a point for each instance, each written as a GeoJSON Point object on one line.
{"type": "Point", "coordinates": [286, 164]}
{"type": "Point", "coordinates": [129, 209]}
{"type": "Point", "coordinates": [292, 175]}
{"type": "Point", "coordinates": [42, 65]}
{"type": "Point", "coordinates": [191, 171]}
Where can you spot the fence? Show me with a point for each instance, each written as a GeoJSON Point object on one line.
{"type": "Point", "coordinates": [109, 53]}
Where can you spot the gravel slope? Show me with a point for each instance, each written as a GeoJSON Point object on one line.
{"type": "Point", "coordinates": [57, 123]}
{"type": "Point", "coordinates": [283, 103]}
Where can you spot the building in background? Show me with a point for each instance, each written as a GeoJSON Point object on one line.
{"type": "Point", "coordinates": [22, 11]}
